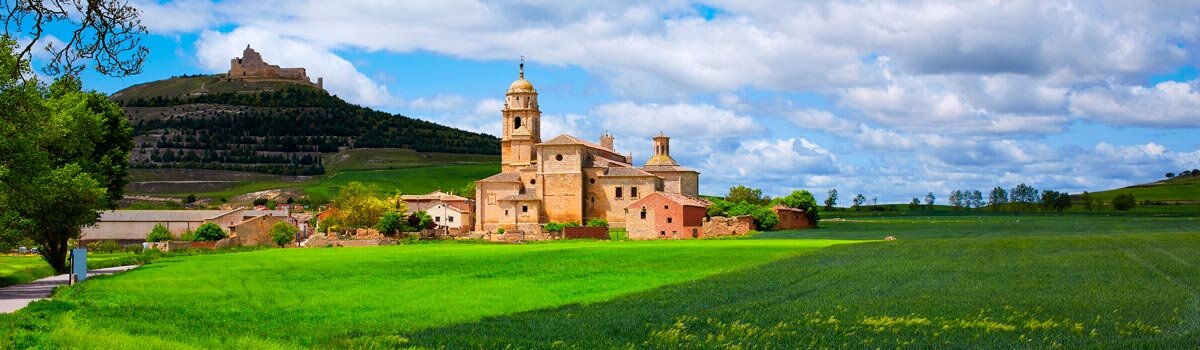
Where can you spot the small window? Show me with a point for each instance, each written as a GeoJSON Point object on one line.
{"type": "Point", "coordinates": [662, 233]}
{"type": "Point", "coordinates": [668, 220]}
{"type": "Point", "coordinates": [666, 207]}
{"type": "Point", "coordinates": [695, 234]}
{"type": "Point", "coordinates": [449, 219]}
{"type": "Point", "coordinates": [524, 208]}
{"type": "Point", "coordinates": [643, 212]}
{"type": "Point", "coordinates": [633, 192]}
{"type": "Point", "coordinates": [592, 181]}
{"type": "Point", "coordinates": [505, 212]}
{"type": "Point", "coordinates": [517, 123]}
{"type": "Point", "coordinates": [437, 219]}
{"type": "Point", "coordinates": [558, 157]}
{"type": "Point", "coordinates": [619, 195]}
{"type": "Point", "coordinates": [533, 181]}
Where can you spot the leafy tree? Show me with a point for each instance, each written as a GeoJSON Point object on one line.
{"type": "Point", "coordinates": [291, 201]}
{"type": "Point", "coordinates": [915, 204]}
{"type": "Point", "coordinates": [929, 198]}
{"type": "Point", "coordinates": [1124, 201]}
{"type": "Point", "coordinates": [391, 223]}
{"type": "Point", "coordinates": [1024, 195]}
{"type": "Point", "coordinates": [831, 199]}
{"type": "Point", "coordinates": [358, 206]}
{"type": "Point", "coordinates": [1088, 202]}
{"type": "Point", "coordinates": [1054, 200]}
{"type": "Point", "coordinates": [803, 200]}
{"type": "Point", "coordinates": [997, 198]}
{"type": "Point", "coordinates": [956, 199]}
{"type": "Point", "coordinates": [746, 194]}
{"type": "Point", "coordinates": [108, 33]}
{"type": "Point", "coordinates": [858, 201]}
{"type": "Point", "coordinates": [977, 199]}
{"type": "Point", "coordinates": [260, 201]}
{"type": "Point", "coordinates": [63, 158]}
{"type": "Point", "coordinates": [467, 191]}
{"type": "Point", "coordinates": [191, 198]}
{"type": "Point", "coordinates": [159, 233]}
{"type": "Point", "coordinates": [420, 220]}
{"type": "Point", "coordinates": [1170, 175]}
{"type": "Point", "coordinates": [283, 233]}
{"type": "Point", "coordinates": [209, 232]}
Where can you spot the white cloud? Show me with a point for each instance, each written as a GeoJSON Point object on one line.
{"type": "Point", "coordinates": [816, 119]}
{"type": "Point", "coordinates": [215, 49]}
{"type": "Point", "coordinates": [777, 165]}
{"type": "Point", "coordinates": [677, 120]}
{"type": "Point", "coordinates": [1167, 104]}
{"type": "Point", "coordinates": [439, 102]}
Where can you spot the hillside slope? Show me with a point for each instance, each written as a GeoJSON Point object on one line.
{"type": "Point", "coordinates": [207, 122]}
{"type": "Point", "coordinates": [1180, 190]}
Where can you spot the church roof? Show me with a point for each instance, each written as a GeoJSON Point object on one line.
{"type": "Point", "coordinates": [666, 168]}
{"type": "Point", "coordinates": [565, 139]}
{"type": "Point", "coordinates": [624, 172]}
{"type": "Point", "coordinates": [521, 85]}
{"type": "Point", "coordinates": [503, 177]}
{"type": "Point", "coordinates": [602, 162]}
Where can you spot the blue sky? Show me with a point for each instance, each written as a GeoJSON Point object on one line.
{"type": "Point", "coordinates": [891, 100]}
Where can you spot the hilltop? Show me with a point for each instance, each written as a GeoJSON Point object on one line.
{"type": "Point", "coordinates": [1179, 190]}
{"type": "Point", "coordinates": [276, 127]}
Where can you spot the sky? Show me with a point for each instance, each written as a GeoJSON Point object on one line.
{"type": "Point", "coordinates": [888, 99]}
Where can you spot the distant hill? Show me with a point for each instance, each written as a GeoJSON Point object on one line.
{"type": "Point", "coordinates": [208, 122]}
{"type": "Point", "coordinates": [1179, 190]}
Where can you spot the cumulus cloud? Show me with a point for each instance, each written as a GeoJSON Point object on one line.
{"type": "Point", "coordinates": [439, 102]}
{"type": "Point", "coordinates": [679, 120]}
{"type": "Point", "coordinates": [214, 49]}
{"type": "Point", "coordinates": [778, 165]}
{"type": "Point", "coordinates": [1166, 104]}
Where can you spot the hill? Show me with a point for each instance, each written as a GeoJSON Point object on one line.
{"type": "Point", "coordinates": [1179, 190]}
{"type": "Point", "coordinates": [207, 122]}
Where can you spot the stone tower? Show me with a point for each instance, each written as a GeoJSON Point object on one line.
{"type": "Point", "coordinates": [606, 141]}
{"type": "Point", "coordinates": [522, 124]}
{"type": "Point", "coordinates": [662, 152]}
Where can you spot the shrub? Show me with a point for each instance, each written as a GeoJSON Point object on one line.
{"type": "Point", "coordinates": [1124, 202]}
{"type": "Point", "coordinates": [260, 201]}
{"type": "Point", "coordinates": [597, 222]}
{"type": "Point", "coordinates": [159, 233]}
{"type": "Point", "coordinates": [391, 223]}
{"type": "Point", "coordinates": [106, 246]}
{"type": "Point", "coordinates": [552, 227]}
{"type": "Point", "coordinates": [283, 233]}
{"type": "Point", "coordinates": [500, 231]}
{"type": "Point", "coordinates": [188, 235]}
{"type": "Point", "coordinates": [209, 232]}
{"type": "Point", "coordinates": [191, 198]}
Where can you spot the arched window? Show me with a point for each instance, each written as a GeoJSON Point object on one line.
{"type": "Point", "coordinates": [643, 212]}
{"type": "Point", "coordinates": [517, 123]}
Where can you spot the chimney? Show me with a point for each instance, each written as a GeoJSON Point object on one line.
{"type": "Point", "coordinates": [606, 141]}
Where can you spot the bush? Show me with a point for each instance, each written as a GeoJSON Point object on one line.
{"type": "Point", "coordinates": [597, 222]}
{"type": "Point", "coordinates": [260, 201]}
{"type": "Point", "coordinates": [558, 226]}
{"type": "Point", "coordinates": [105, 247]}
{"type": "Point", "coordinates": [188, 235]}
{"type": "Point", "coordinates": [209, 232]}
{"type": "Point", "coordinates": [391, 223]}
{"type": "Point", "coordinates": [283, 233]}
{"type": "Point", "coordinates": [1124, 202]}
{"type": "Point", "coordinates": [159, 233]}
{"type": "Point", "coordinates": [500, 231]}
{"type": "Point", "coordinates": [191, 198]}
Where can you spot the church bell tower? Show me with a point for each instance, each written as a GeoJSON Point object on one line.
{"type": "Point", "coordinates": [522, 124]}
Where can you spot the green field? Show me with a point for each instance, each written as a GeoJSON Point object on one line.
{"type": "Point", "coordinates": [410, 181]}
{"type": "Point", "coordinates": [396, 158]}
{"type": "Point", "coordinates": [17, 269]}
{"type": "Point", "coordinates": [1185, 190]}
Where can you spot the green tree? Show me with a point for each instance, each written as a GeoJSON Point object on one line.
{"type": "Point", "coordinates": [391, 223]}
{"type": "Point", "coordinates": [209, 232]}
{"type": "Point", "coordinates": [915, 204]}
{"type": "Point", "coordinates": [746, 194]}
{"type": "Point", "coordinates": [1088, 203]}
{"type": "Point", "coordinates": [63, 158]}
{"type": "Point", "coordinates": [803, 200]}
{"type": "Point", "coordinates": [159, 233]}
{"type": "Point", "coordinates": [1124, 201]}
{"type": "Point", "coordinates": [859, 199]}
{"type": "Point", "coordinates": [929, 199]}
{"type": "Point", "coordinates": [191, 198]}
{"type": "Point", "coordinates": [997, 198]}
{"type": "Point", "coordinates": [283, 233]}
{"type": "Point", "coordinates": [358, 206]}
{"type": "Point", "coordinates": [831, 199]}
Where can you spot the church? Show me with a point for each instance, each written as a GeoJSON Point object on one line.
{"type": "Point", "coordinates": [566, 178]}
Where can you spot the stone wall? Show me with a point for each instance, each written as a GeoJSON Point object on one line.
{"type": "Point", "coordinates": [722, 226]}
{"type": "Point", "coordinates": [791, 218]}
{"type": "Point", "coordinates": [255, 231]}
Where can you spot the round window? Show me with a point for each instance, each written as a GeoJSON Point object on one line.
{"type": "Point", "coordinates": [593, 181]}
{"type": "Point", "coordinates": [533, 181]}
{"type": "Point", "coordinates": [558, 157]}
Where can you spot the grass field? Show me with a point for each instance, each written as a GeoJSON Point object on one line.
{"type": "Point", "coordinates": [952, 281]}
{"type": "Point", "coordinates": [411, 181]}
{"type": "Point", "coordinates": [396, 158]}
{"type": "Point", "coordinates": [1181, 189]}
{"type": "Point", "coordinates": [17, 269]}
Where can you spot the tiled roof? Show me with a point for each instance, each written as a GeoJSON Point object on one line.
{"type": "Point", "coordinates": [503, 177]}
{"type": "Point", "coordinates": [160, 215]}
{"type": "Point", "coordinates": [434, 196]}
{"type": "Point", "coordinates": [665, 168]}
{"type": "Point", "coordinates": [684, 200]}
{"type": "Point", "coordinates": [565, 139]}
{"type": "Point", "coordinates": [601, 162]}
{"type": "Point", "coordinates": [521, 197]}
{"type": "Point", "coordinates": [779, 207]}
{"type": "Point", "coordinates": [624, 172]}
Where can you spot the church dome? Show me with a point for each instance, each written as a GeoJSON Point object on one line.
{"type": "Point", "coordinates": [521, 85]}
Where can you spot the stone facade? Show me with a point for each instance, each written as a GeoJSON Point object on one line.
{"type": "Point", "coordinates": [449, 212]}
{"type": "Point", "coordinates": [567, 179]}
{"type": "Point", "coordinates": [722, 226]}
{"type": "Point", "coordinates": [251, 67]}
{"type": "Point", "coordinates": [256, 230]}
{"type": "Point", "coordinates": [664, 215]}
{"type": "Point", "coordinates": [791, 218]}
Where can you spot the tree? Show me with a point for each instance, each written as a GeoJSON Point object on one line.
{"type": "Point", "coordinates": [915, 204]}
{"type": "Point", "coordinates": [191, 198]}
{"type": "Point", "coordinates": [108, 33]}
{"type": "Point", "coordinates": [283, 233]}
{"type": "Point", "coordinates": [859, 199]}
{"type": "Point", "coordinates": [209, 232]}
{"type": "Point", "coordinates": [1025, 195]}
{"type": "Point", "coordinates": [977, 199]}
{"type": "Point", "coordinates": [467, 191]}
{"type": "Point", "coordinates": [746, 194]}
{"type": "Point", "coordinates": [1054, 200]}
{"type": "Point", "coordinates": [1124, 201]}
{"type": "Point", "coordinates": [803, 200]}
{"type": "Point", "coordinates": [420, 220]}
{"type": "Point", "coordinates": [1088, 202]}
{"type": "Point", "coordinates": [997, 198]}
{"type": "Point", "coordinates": [929, 198]}
{"type": "Point", "coordinates": [1170, 175]}
{"type": "Point", "coordinates": [956, 199]}
{"type": "Point", "coordinates": [832, 199]}
{"type": "Point", "coordinates": [358, 206]}
{"type": "Point", "coordinates": [64, 156]}
{"type": "Point", "coordinates": [159, 233]}
{"type": "Point", "coordinates": [391, 223]}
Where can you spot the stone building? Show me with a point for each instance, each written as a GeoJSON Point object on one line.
{"type": "Point", "coordinates": [251, 67]}
{"type": "Point", "coordinates": [566, 178]}
{"type": "Point", "coordinates": [663, 215]}
{"type": "Point", "coordinates": [131, 226]}
{"type": "Point", "coordinates": [791, 218]}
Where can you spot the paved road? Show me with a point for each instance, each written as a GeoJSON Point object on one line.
{"type": "Point", "coordinates": [13, 298]}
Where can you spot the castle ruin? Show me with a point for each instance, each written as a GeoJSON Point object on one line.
{"type": "Point", "coordinates": [251, 67]}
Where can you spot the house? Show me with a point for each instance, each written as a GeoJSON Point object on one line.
{"type": "Point", "coordinates": [447, 210]}
{"type": "Point", "coordinates": [132, 226]}
{"type": "Point", "coordinates": [791, 218]}
{"type": "Point", "coordinates": [663, 215]}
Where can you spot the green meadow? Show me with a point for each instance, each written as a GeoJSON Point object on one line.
{"type": "Point", "coordinates": [17, 269]}
{"type": "Point", "coordinates": [951, 281]}
{"type": "Point", "coordinates": [409, 180]}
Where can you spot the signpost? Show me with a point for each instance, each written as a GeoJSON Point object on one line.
{"type": "Point", "coordinates": [79, 268]}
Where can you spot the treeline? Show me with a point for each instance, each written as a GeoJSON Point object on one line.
{"type": "Point", "coordinates": [274, 169]}
{"type": "Point", "coordinates": [1183, 174]}
{"type": "Point", "coordinates": [298, 122]}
